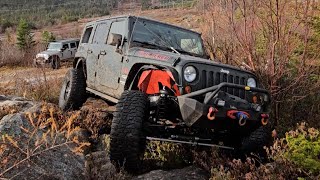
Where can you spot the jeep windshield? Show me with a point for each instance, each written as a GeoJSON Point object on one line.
{"type": "Point", "coordinates": [166, 37]}
{"type": "Point", "coordinates": [55, 46]}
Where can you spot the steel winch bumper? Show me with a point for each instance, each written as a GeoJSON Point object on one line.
{"type": "Point", "coordinates": [221, 105]}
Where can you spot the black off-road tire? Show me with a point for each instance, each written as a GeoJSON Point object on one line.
{"type": "Point", "coordinates": [127, 140]}
{"type": "Point", "coordinates": [73, 92]}
{"type": "Point", "coordinates": [55, 62]}
{"type": "Point", "coordinates": [255, 142]}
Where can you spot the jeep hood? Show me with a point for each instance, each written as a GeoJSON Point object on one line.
{"type": "Point", "coordinates": [171, 57]}
{"type": "Point", "coordinates": [50, 52]}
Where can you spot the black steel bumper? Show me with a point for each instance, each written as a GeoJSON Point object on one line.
{"type": "Point", "coordinates": [192, 110]}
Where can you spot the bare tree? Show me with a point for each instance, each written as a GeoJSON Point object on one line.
{"type": "Point", "coordinates": [271, 38]}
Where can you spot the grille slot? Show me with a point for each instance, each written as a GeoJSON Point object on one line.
{"type": "Point", "coordinates": [211, 78]}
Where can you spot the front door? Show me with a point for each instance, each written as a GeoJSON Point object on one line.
{"type": "Point", "coordinates": [73, 49]}
{"type": "Point", "coordinates": [110, 64]}
{"type": "Point", "coordinates": [66, 54]}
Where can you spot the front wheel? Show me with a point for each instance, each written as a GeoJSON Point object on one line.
{"type": "Point", "coordinates": [73, 92]}
{"type": "Point", "coordinates": [256, 141]}
{"type": "Point", "coordinates": [55, 62]}
{"type": "Point", "coordinates": [127, 138]}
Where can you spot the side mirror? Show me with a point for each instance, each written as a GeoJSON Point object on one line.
{"type": "Point", "coordinates": [114, 39]}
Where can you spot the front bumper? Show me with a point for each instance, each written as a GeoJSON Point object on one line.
{"type": "Point", "coordinates": [41, 61]}
{"type": "Point", "coordinates": [219, 105]}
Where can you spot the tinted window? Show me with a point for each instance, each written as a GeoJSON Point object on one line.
{"type": "Point", "coordinates": [86, 35]}
{"type": "Point", "coordinates": [73, 45]}
{"type": "Point", "coordinates": [77, 43]}
{"type": "Point", "coordinates": [65, 46]}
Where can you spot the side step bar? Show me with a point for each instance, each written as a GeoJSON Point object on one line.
{"type": "Point", "coordinates": [187, 142]}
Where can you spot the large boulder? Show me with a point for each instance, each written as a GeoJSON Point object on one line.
{"type": "Point", "coordinates": [188, 173]}
{"type": "Point", "coordinates": [31, 150]}
{"type": "Point", "coordinates": [13, 102]}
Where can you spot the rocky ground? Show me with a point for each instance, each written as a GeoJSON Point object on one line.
{"type": "Point", "coordinates": [24, 156]}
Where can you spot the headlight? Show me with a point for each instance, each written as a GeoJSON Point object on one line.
{"type": "Point", "coordinates": [190, 74]}
{"type": "Point", "coordinates": [46, 56]}
{"type": "Point", "coordinates": [251, 82]}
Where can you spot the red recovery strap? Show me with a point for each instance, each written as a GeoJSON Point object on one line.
{"type": "Point", "coordinates": [149, 81]}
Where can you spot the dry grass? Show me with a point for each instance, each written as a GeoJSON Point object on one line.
{"type": "Point", "coordinates": [45, 132]}
{"type": "Point", "coordinates": [10, 55]}
{"type": "Point", "coordinates": [8, 110]}
{"type": "Point", "coordinates": [34, 84]}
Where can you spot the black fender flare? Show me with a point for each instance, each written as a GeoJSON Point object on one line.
{"type": "Point", "coordinates": [80, 62]}
{"type": "Point", "coordinates": [130, 83]}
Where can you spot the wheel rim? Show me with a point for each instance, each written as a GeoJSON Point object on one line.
{"type": "Point", "coordinates": [67, 90]}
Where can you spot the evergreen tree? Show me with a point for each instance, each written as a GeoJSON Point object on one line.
{"type": "Point", "coordinates": [47, 37]}
{"type": "Point", "coordinates": [24, 36]}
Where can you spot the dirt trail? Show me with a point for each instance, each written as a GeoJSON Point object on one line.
{"type": "Point", "coordinates": [9, 76]}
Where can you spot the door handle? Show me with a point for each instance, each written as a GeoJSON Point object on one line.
{"type": "Point", "coordinates": [89, 51]}
{"type": "Point", "coordinates": [103, 53]}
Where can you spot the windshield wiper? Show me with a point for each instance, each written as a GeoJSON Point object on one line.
{"type": "Point", "coordinates": [189, 53]}
{"type": "Point", "coordinates": [156, 46]}
{"type": "Point", "coordinates": [173, 49]}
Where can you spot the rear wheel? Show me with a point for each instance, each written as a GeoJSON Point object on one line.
{"type": "Point", "coordinates": [73, 92]}
{"type": "Point", "coordinates": [127, 138]}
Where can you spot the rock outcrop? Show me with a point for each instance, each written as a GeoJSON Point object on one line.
{"type": "Point", "coordinates": [24, 123]}
{"type": "Point", "coordinates": [56, 161]}
{"type": "Point", "coordinates": [188, 173]}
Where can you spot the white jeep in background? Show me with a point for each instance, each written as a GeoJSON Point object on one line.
{"type": "Point", "coordinates": [56, 52]}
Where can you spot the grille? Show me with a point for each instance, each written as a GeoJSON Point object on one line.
{"type": "Point", "coordinates": [211, 78]}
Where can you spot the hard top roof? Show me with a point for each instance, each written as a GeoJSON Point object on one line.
{"type": "Point", "coordinates": [66, 40]}
{"type": "Point", "coordinates": [139, 17]}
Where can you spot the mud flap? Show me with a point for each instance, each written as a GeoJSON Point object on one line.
{"type": "Point", "coordinates": [191, 110]}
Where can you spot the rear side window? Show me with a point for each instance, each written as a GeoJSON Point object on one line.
{"type": "Point", "coordinates": [77, 43]}
{"type": "Point", "coordinates": [101, 32]}
{"type": "Point", "coordinates": [73, 45]}
{"type": "Point", "coordinates": [118, 28]}
{"type": "Point", "coordinates": [86, 35]}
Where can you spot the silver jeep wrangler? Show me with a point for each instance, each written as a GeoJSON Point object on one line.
{"type": "Point", "coordinates": [57, 52]}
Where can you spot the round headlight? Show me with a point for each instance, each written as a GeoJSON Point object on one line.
{"type": "Point", "coordinates": [251, 82]}
{"type": "Point", "coordinates": [46, 56]}
{"type": "Point", "coordinates": [190, 74]}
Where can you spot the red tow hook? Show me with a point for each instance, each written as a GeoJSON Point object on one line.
{"type": "Point", "coordinates": [212, 113]}
{"type": "Point", "coordinates": [264, 119]}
